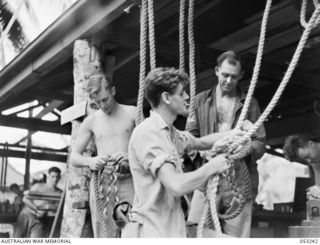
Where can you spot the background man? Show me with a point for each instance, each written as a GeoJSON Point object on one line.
{"type": "Point", "coordinates": [33, 221]}
{"type": "Point", "coordinates": [305, 149]}
{"type": "Point", "coordinates": [218, 110]}
{"type": "Point", "coordinates": [110, 127]}
{"type": "Point", "coordinates": [155, 149]}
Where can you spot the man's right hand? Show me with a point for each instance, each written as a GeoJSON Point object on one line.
{"type": "Point", "coordinates": [97, 163]}
{"type": "Point", "coordinates": [218, 164]}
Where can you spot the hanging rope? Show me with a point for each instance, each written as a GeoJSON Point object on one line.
{"type": "Point", "coordinates": [257, 65]}
{"type": "Point", "coordinates": [151, 35]}
{"type": "Point", "coordinates": [143, 53]}
{"type": "Point", "coordinates": [99, 205]}
{"type": "Point", "coordinates": [181, 35]}
{"type": "Point", "coordinates": [191, 59]}
{"type": "Point", "coordinates": [288, 73]}
{"type": "Point", "coordinates": [278, 93]}
{"type": "Point", "coordinates": [303, 13]}
{"type": "Point", "coordinates": [213, 182]}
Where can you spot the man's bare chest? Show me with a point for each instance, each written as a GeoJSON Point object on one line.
{"type": "Point", "coordinates": [225, 111]}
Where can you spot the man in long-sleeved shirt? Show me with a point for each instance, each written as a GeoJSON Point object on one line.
{"type": "Point", "coordinates": [217, 110]}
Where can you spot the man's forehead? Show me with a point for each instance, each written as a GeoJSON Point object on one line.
{"type": "Point", "coordinates": [231, 64]}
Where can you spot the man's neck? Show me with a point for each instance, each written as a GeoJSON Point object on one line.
{"type": "Point", "coordinates": [224, 94]}
{"type": "Point", "coordinates": [113, 110]}
{"type": "Point", "coordinates": [166, 115]}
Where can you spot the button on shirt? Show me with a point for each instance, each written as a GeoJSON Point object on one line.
{"type": "Point", "coordinates": [154, 207]}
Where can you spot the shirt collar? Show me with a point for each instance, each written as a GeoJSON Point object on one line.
{"type": "Point", "coordinates": [240, 94]}
{"type": "Point", "coordinates": [158, 120]}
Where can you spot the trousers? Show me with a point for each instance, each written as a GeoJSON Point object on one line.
{"type": "Point", "coordinates": [125, 194]}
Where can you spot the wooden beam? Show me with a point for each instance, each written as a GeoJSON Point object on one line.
{"type": "Point", "coordinates": [54, 104]}
{"type": "Point", "coordinates": [278, 129]}
{"type": "Point", "coordinates": [79, 21]}
{"type": "Point", "coordinates": [34, 124]}
{"type": "Point", "coordinates": [45, 156]}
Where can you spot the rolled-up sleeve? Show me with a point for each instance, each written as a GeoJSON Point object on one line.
{"type": "Point", "coordinates": [153, 153]}
{"type": "Point", "coordinates": [185, 142]}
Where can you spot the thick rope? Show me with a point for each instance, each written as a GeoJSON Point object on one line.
{"type": "Point", "coordinates": [288, 74]}
{"type": "Point", "coordinates": [151, 35]}
{"type": "Point", "coordinates": [203, 218]}
{"type": "Point", "coordinates": [98, 203]}
{"type": "Point", "coordinates": [256, 69]}
{"type": "Point", "coordinates": [212, 188]}
{"type": "Point", "coordinates": [191, 59]}
{"type": "Point", "coordinates": [181, 35]}
{"type": "Point", "coordinates": [143, 52]}
{"type": "Point", "coordinates": [303, 13]}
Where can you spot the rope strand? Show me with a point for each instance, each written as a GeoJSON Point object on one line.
{"type": "Point", "coordinates": [191, 59]}
{"type": "Point", "coordinates": [181, 35]}
{"type": "Point", "coordinates": [143, 53]}
{"type": "Point", "coordinates": [151, 35]}
{"type": "Point", "coordinates": [256, 69]}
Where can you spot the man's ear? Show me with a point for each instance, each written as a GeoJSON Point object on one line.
{"type": "Point", "coordinates": [165, 97]}
{"type": "Point", "coordinates": [216, 69]}
{"type": "Point", "coordinates": [113, 91]}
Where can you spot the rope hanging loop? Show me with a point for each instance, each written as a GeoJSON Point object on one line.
{"type": "Point", "coordinates": [303, 11]}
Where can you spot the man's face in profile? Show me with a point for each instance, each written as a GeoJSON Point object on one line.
{"type": "Point", "coordinates": [309, 153]}
{"type": "Point", "coordinates": [53, 179]}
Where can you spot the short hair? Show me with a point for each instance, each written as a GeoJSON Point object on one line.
{"type": "Point", "coordinates": [292, 145]}
{"type": "Point", "coordinates": [96, 83]}
{"type": "Point", "coordinates": [55, 169]}
{"type": "Point", "coordinates": [232, 57]}
{"type": "Point", "coordinates": [163, 79]}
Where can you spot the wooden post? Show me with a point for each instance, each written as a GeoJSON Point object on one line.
{"type": "Point", "coordinates": [28, 157]}
{"type": "Point", "coordinates": [86, 63]}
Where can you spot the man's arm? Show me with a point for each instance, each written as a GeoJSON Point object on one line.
{"type": "Point", "coordinates": [258, 141]}
{"type": "Point", "coordinates": [81, 142]}
{"type": "Point", "coordinates": [182, 183]}
{"type": "Point", "coordinates": [30, 204]}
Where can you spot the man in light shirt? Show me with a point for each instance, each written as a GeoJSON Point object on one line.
{"type": "Point", "coordinates": [155, 150]}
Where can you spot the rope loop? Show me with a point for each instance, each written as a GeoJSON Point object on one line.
{"type": "Point", "coordinates": [303, 21]}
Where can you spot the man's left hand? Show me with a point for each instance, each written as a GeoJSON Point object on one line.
{"type": "Point", "coordinates": [119, 157]}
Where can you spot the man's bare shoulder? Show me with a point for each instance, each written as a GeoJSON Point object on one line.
{"type": "Point", "coordinates": [88, 121]}
{"type": "Point", "coordinates": [129, 110]}
{"type": "Point", "coordinates": [38, 187]}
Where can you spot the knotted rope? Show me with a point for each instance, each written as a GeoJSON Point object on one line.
{"type": "Point", "coordinates": [213, 182]}
{"type": "Point", "coordinates": [311, 24]}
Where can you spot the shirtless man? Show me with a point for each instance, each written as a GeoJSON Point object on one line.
{"type": "Point", "coordinates": [33, 221]}
{"type": "Point", "coordinates": [218, 110]}
{"type": "Point", "coordinates": [110, 127]}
